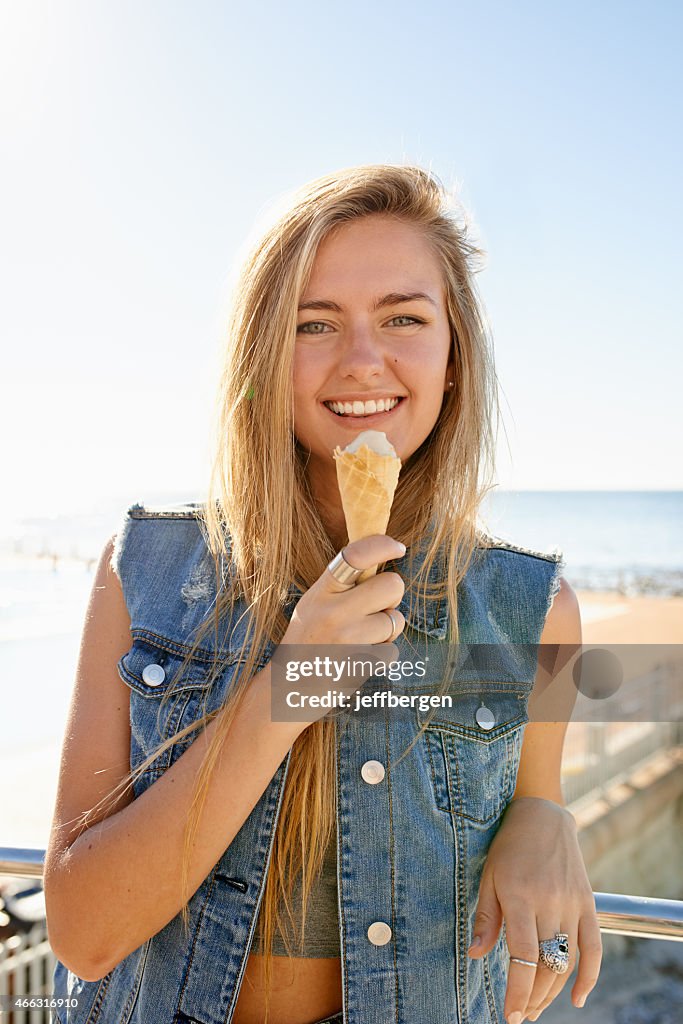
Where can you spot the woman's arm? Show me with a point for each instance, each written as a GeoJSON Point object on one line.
{"type": "Point", "coordinates": [541, 758]}
{"type": "Point", "coordinates": [534, 877]}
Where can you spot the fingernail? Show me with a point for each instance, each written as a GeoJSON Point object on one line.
{"type": "Point", "coordinates": [402, 546]}
{"type": "Point", "coordinates": [515, 1018]}
{"type": "Point", "coordinates": [476, 942]}
{"type": "Point", "coordinates": [580, 1002]}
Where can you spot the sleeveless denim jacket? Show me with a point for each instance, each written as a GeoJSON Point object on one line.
{"type": "Point", "coordinates": [410, 845]}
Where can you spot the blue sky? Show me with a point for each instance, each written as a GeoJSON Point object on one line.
{"type": "Point", "coordinates": [142, 142]}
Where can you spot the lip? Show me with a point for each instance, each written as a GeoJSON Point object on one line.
{"type": "Point", "coordinates": [375, 417]}
{"type": "Point", "coordinates": [364, 398]}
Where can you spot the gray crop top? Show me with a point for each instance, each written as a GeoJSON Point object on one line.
{"type": "Point", "coordinates": [322, 922]}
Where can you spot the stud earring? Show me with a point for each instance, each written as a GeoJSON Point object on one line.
{"type": "Point", "coordinates": [451, 383]}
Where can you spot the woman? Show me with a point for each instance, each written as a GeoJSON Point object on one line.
{"type": "Point", "coordinates": [456, 863]}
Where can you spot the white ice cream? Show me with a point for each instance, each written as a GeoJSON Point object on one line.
{"type": "Point", "coordinates": [375, 440]}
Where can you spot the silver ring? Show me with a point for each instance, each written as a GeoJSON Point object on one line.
{"type": "Point", "coordinates": [554, 953]}
{"type": "Point", "coordinates": [394, 627]}
{"type": "Point", "coordinates": [527, 963]}
{"type": "Point", "coordinates": [342, 571]}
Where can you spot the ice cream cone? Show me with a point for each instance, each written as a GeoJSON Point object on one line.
{"type": "Point", "coordinates": [367, 474]}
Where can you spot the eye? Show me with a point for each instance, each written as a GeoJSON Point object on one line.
{"type": "Point", "coordinates": [301, 329]}
{"type": "Point", "coordinates": [404, 316]}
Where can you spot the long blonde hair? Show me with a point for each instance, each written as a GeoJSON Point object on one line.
{"type": "Point", "coordinates": [259, 497]}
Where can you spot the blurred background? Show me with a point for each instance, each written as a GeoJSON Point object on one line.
{"type": "Point", "coordinates": [143, 148]}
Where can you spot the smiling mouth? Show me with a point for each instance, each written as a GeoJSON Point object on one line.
{"type": "Point", "coordinates": [363, 410]}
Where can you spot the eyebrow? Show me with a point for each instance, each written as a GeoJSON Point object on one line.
{"type": "Point", "coordinates": [392, 299]}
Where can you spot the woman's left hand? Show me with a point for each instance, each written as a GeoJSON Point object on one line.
{"type": "Point", "coordinates": [535, 879]}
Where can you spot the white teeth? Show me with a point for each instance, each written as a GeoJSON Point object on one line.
{"type": "Point", "coordinates": [362, 408]}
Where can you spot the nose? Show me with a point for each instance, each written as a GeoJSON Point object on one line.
{"type": "Point", "coordinates": [362, 354]}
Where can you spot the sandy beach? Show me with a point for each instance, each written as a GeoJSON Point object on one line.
{"type": "Point", "coordinates": [610, 618]}
{"type": "Point", "coordinates": [651, 627]}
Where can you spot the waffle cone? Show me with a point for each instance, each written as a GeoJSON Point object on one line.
{"type": "Point", "coordinates": [367, 482]}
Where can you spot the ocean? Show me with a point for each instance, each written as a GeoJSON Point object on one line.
{"type": "Point", "coordinates": [625, 541]}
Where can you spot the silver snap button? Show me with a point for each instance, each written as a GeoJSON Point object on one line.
{"type": "Point", "coordinates": [379, 933]}
{"type": "Point", "coordinates": [372, 772]}
{"type": "Point", "coordinates": [153, 674]}
{"type": "Point", "coordinates": [485, 718]}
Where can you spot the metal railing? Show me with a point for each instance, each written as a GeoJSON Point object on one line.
{"type": "Point", "coordinates": [597, 754]}
{"type": "Point", "coordinates": [640, 916]}
{"type": "Point", "coordinates": [16, 862]}
{"type": "Point", "coordinates": [27, 966]}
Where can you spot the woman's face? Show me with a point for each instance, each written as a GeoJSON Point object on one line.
{"type": "Point", "coordinates": [365, 334]}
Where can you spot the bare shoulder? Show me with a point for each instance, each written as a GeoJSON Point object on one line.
{"type": "Point", "coordinates": [563, 621]}
{"type": "Point", "coordinates": [96, 745]}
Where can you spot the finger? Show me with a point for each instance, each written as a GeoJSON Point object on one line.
{"type": "Point", "coordinates": [590, 957]}
{"type": "Point", "coordinates": [364, 554]}
{"type": "Point", "coordinates": [488, 919]}
{"type": "Point", "coordinates": [550, 983]}
{"type": "Point", "coordinates": [548, 925]}
{"type": "Point", "coordinates": [370, 552]}
{"type": "Point", "coordinates": [521, 935]}
{"type": "Point", "coordinates": [386, 653]}
{"type": "Point", "coordinates": [373, 550]}
{"type": "Point", "coordinates": [360, 663]}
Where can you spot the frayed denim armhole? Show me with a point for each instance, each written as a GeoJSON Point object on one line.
{"type": "Point", "coordinates": [557, 556]}
{"type": "Point", "coordinates": [118, 560]}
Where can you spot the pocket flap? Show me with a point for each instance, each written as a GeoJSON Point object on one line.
{"type": "Point", "coordinates": [152, 667]}
{"type": "Point", "coordinates": [480, 712]}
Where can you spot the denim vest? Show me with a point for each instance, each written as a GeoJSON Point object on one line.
{"type": "Point", "coordinates": [410, 845]}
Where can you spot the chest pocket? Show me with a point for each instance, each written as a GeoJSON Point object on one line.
{"type": "Point", "coordinates": [164, 700]}
{"type": "Point", "coordinates": [473, 750]}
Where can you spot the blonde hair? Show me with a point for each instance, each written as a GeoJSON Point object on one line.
{"type": "Point", "coordinates": [259, 498]}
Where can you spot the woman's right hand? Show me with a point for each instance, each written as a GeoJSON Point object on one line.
{"type": "Point", "coordinates": [331, 614]}
{"type": "Point", "coordinates": [334, 613]}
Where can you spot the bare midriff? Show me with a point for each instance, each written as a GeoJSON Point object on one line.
{"type": "Point", "coordinates": [303, 990]}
